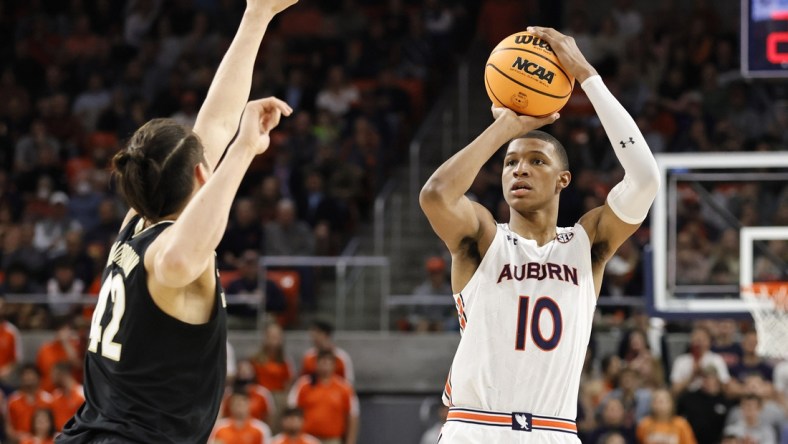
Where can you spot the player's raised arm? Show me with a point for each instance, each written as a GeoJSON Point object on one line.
{"type": "Point", "coordinates": [181, 253]}
{"type": "Point", "coordinates": [452, 215]}
{"type": "Point", "coordinates": [218, 118]}
{"type": "Point", "coordinates": [628, 202]}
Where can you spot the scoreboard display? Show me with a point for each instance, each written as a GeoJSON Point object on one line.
{"type": "Point", "coordinates": [764, 38]}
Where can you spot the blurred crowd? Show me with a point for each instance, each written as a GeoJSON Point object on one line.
{"type": "Point", "coordinates": [717, 390]}
{"type": "Point", "coordinates": [266, 393]}
{"type": "Point", "coordinates": [77, 78]}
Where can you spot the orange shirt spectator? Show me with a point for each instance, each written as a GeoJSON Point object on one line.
{"type": "Point", "coordinates": [321, 334]}
{"type": "Point", "coordinates": [275, 376]}
{"type": "Point", "coordinates": [302, 438]}
{"type": "Point", "coordinates": [23, 403]}
{"type": "Point", "coordinates": [344, 366]}
{"type": "Point", "coordinates": [261, 403]}
{"type": "Point", "coordinates": [327, 404]}
{"type": "Point", "coordinates": [65, 347]}
{"type": "Point", "coordinates": [292, 429]}
{"type": "Point", "coordinates": [43, 429]}
{"type": "Point", "coordinates": [10, 348]}
{"type": "Point", "coordinates": [34, 440]}
{"type": "Point", "coordinates": [229, 431]}
{"type": "Point", "coordinates": [650, 431]}
{"type": "Point", "coordinates": [21, 407]}
{"type": "Point", "coordinates": [662, 425]}
{"type": "Point", "coordinates": [65, 404]}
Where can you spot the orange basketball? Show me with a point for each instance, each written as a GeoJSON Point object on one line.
{"type": "Point", "coordinates": [524, 75]}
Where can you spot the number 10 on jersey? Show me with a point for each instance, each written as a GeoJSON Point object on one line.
{"type": "Point", "coordinates": [112, 286]}
{"type": "Point", "coordinates": [523, 316]}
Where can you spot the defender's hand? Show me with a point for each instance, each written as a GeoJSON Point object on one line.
{"type": "Point", "coordinates": [271, 7]}
{"type": "Point", "coordinates": [567, 51]}
{"type": "Point", "coordinates": [516, 125]}
{"type": "Point", "coordinates": [259, 118]}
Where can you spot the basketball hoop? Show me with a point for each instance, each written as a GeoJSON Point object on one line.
{"type": "Point", "coordinates": [768, 303]}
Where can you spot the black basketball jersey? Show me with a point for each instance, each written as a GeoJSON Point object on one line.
{"type": "Point", "coordinates": [149, 378]}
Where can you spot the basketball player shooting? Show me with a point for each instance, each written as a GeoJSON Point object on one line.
{"type": "Point", "coordinates": [156, 361]}
{"type": "Point", "coordinates": [526, 291]}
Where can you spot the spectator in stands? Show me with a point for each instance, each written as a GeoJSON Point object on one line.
{"type": "Point", "coordinates": [424, 318]}
{"type": "Point", "coordinates": [261, 403]}
{"type": "Point", "coordinates": [76, 255]}
{"type": "Point", "coordinates": [726, 342]}
{"type": "Point", "coordinates": [321, 334]}
{"type": "Point", "coordinates": [106, 229]}
{"type": "Point", "coordinates": [705, 408]}
{"type": "Point", "coordinates": [612, 420]}
{"type": "Point", "coordinates": [662, 425]}
{"type": "Point", "coordinates": [50, 232]}
{"type": "Point", "coordinates": [64, 289]}
{"type": "Point", "coordinates": [273, 369]}
{"type": "Point", "coordinates": [240, 426]}
{"type": "Point", "coordinates": [286, 235]}
{"type": "Point", "coordinates": [244, 231]}
{"type": "Point", "coordinates": [292, 429]}
{"type": "Point", "coordinates": [750, 427]}
{"type": "Point", "coordinates": [18, 280]}
{"type": "Point", "coordinates": [687, 372]}
{"type": "Point", "coordinates": [26, 150]}
{"type": "Point", "coordinates": [63, 348]}
{"type": "Point", "coordinates": [771, 412]}
{"type": "Point", "coordinates": [637, 356]}
{"type": "Point", "coordinates": [612, 438]}
{"type": "Point", "coordinates": [10, 346]}
{"type": "Point", "coordinates": [23, 403]}
{"type": "Point", "coordinates": [89, 104]}
{"type": "Point", "coordinates": [67, 396]}
{"type": "Point", "coordinates": [18, 249]}
{"type": "Point", "coordinates": [329, 403]}
{"type": "Point", "coordinates": [750, 361]}
{"type": "Point", "coordinates": [248, 284]}
{"type": "Point", "coordinates": [43, 428]}
{"type": "Point", "coordinates": [338, 95]}
{"type": "Point", "coordinates": [635, 399]}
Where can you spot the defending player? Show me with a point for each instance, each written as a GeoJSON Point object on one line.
{"type": "Point", "coordinates": [155, 367]}
{"type": "Point", "coordinates": [526, 290]}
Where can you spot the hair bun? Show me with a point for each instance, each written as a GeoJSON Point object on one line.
{"type": "Point", "coordinates": [130, 154]}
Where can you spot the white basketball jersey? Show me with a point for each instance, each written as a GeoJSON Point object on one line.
{"type": "Point", "coordinates": [525, 318]}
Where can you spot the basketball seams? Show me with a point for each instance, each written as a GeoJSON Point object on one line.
{"type": "Point", "coordinates": [557, 66]}
{"type": "Point", "coordinates": [553, 96]}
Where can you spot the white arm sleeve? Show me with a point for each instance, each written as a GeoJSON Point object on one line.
{"type": "Point", "coordinates": [631, 198]}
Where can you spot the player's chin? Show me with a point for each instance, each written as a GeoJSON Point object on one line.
{"type": "Point", "coordinates": [521, 204]}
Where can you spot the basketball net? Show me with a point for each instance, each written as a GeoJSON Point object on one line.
{"type": "Point", "coordinates": [768, 303]}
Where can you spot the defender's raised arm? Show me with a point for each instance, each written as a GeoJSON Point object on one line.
{"type": "Point", "coordinates": [219, 115]}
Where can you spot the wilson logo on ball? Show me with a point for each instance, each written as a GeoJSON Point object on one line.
{"type": "Point", "coordinates": [536, 41]}
{"type": "Point", "coordinates": [533, 69]}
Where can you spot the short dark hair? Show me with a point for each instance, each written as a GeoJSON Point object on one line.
{"type": "Point", "coordinates": [325, 354]}
{"type": "Point", "coordinates": [557, 145]}
{"type": "Point", "coordinates": [293, 411]}
{"type": "Point", "coordinates": [752, 397]}
{"type": "Point", "coordinates": [154, 171]}
{"type": "Point", "coordinates": [323, 326]}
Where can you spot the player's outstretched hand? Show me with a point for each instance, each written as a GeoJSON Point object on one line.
{"type": "Point", "coordinates": [259, 118]}
{"type": "Point", "coordinates": [516, 125]}
{"type": "Point", "coordinates": [272, 7]}
{"type": "Point", "coordinates": [567, 51]}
